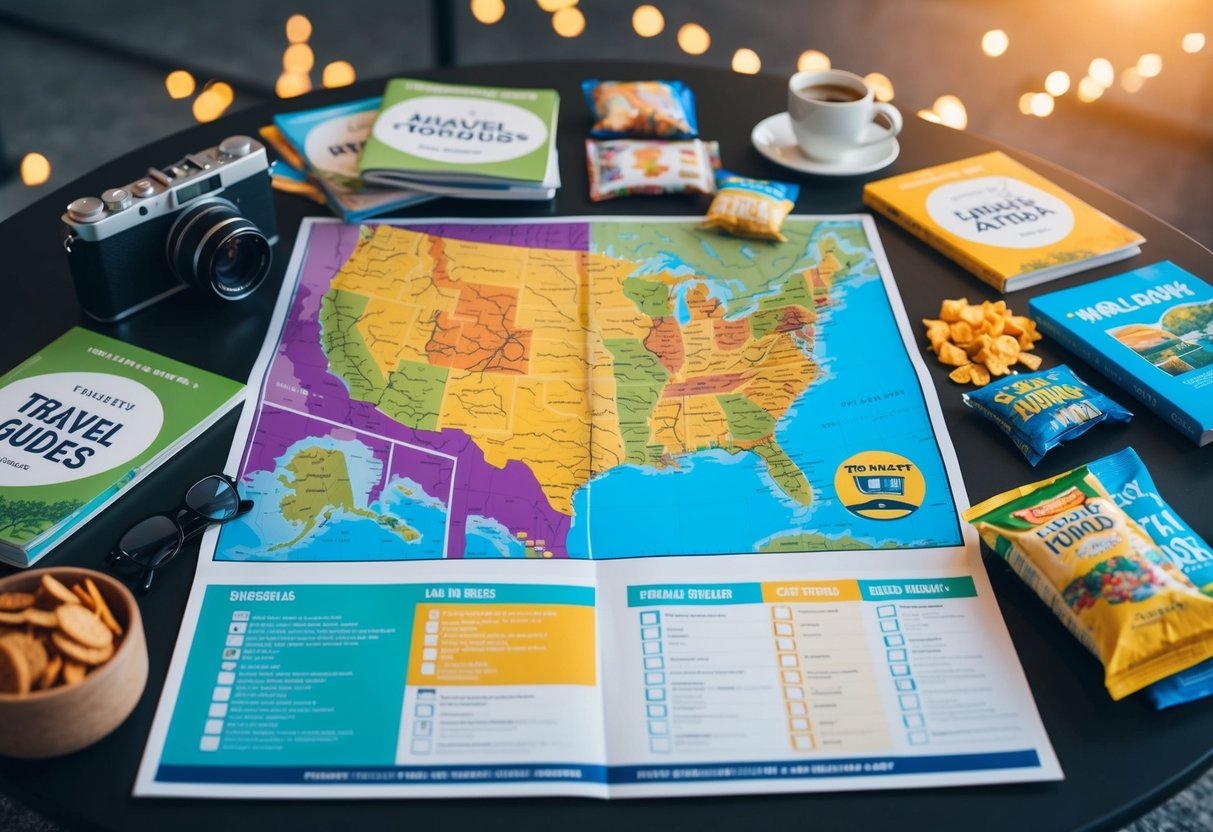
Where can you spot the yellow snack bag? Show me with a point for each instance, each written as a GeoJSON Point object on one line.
{"type": "Point", "coordinates": [1102, 575]}
{"type": "Point", "coordinates": [750, 207]}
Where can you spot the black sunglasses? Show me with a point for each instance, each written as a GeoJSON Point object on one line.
{"type": "Point", "coordinates": [154, 541]}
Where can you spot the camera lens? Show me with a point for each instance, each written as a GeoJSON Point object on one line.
{"type": "Point", "coordinates": [211, 244]}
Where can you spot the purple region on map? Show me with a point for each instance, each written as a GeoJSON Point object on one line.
{"type": "Point", "coordinates": [299, 380]}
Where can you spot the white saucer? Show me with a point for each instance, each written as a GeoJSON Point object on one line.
{"type": "Point", "coordinates": [773, 138]}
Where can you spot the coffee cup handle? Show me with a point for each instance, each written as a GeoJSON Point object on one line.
{"type": "Point", "coordinates": [892, 115]}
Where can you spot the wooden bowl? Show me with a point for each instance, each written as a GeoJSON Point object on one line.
{"type": "Point", "coordinates": [47, 723]}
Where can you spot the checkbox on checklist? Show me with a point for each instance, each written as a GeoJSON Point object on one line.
{"type": "Point", "coordinates": [234, 641]}
{"type": "Point", "coordinates": [782, 628]}
{"type": "Point", "coordinates": [428, 668]}
{"type": "Point", "coordinates": [899, 669]}
{"type": "Point", "coordinates": [431, 627]}
{"type": "Point", "coordinates": [798, 709]}
{"type": "Point", "coordinates": [651, 617]}
{"type": "Point", "coordinates": [659, 726]}
{"type": "Point", "coordinates": [209, 744]}
{"type": "Point", "coordinates": [423, 727]}
{"type": "Point", "coordinates": [217, 710]}
{"type": "Point", "coordinates": [421, 746]}
{"type": "Point", "coordinates": [433, 615]}
{"type": "Point", "coordinates": [781, 613]}
{"type": "Point", "coordinates": [221, 695]}
{"type": "Point", "coordinates": [429, 654]}
{"type": "Point", "coordinates": [231, 653]}
{"type": "Point", "coordinates": [241, 615]}
{"type": "Point", "coordinates": [918, 738]}
{"type": "Point", "coordinates": [651, 647]}
{"type": "Point", "coordinates": [227, 666]}
{"type": "Point", "coordinates": [793, 693]}
{"type": "Point", "coordinates": [897, 640]}
{"type": "Point", "coordinates": [655, 710]}
{"type": "Point", "coordinates": [886, 611]}
{"type": "Point", "coordinates": [909, 702]}
{"type": "Point", "coordinates": [904, 684]}
{"type": "Point", "coordinates": [787, 660]}
{"type": "Point", "coordinates": [647, 633]}
{"type": "Point", "coordinates": [791, 677]}
{"type": "Point", "coordinates": [802, 742]}
{"type": "Point", "coordinates": [654, 662]}
{"type": "Point", "coordinates": [898, 655]}
{"type": "Point", "coordinates": [799, 725]}
{"type": "Point", "coordinates": [654, 694]}
{"type": "Point", "coordinates": [226, 678]}
{"type": "Point", "coordinates": [889, 625]}
{"type": "Point", "coordinates": [660, 744]}
{"type": "Point", "coordinates": [425, 695]}
{"type": "Point", "coordinates": [914, 720]}
{"type": "Point", "coordinates": [423, 710]}
{"type": "Point", "coordinates": [785, 644]}
{"type": "Point", "coordinates": [213, 726]}
{"type": "Point", "coordinates": [429, 640]}
{"type": "Point", "coordinates": [655, 677]}
{"type": "Point", "coordinates": [237, 628]}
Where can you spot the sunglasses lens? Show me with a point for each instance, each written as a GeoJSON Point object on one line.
{"type": "Point", "coordinates": [151, 541]}
{"type": "Point", "coordinates": [213, 498]}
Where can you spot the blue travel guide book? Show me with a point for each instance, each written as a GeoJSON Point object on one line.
{"type": "Point", "coordinates": [1150, 331]}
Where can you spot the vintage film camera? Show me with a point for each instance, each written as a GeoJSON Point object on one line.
{"type": "Point", "coordinates": [206, 221]}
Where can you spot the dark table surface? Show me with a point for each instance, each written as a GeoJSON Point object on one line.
{"type": "Point", "coordinates": [1119, 758]}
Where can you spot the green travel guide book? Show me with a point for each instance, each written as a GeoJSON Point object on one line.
{"type": "Point", "coordinates": [83, 419]}
{"type": "Point", "coordinates": [470, 141]}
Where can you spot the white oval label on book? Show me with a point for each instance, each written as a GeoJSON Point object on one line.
{"type": "Point", "coordinates": [333, 146]}
{"type": "Point", "coordinates": [1000, 211]}
{"type": "Point", "coordinates": [461, 130]}
{"type": "Point", "coordinates": [61, 427]}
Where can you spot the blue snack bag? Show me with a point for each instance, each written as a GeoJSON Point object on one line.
{"type": "Point", "coordinates": [1128, 481]}
{"type": "Point", "coordinates": [642, 109]}
{"type": "Point", "coordinates": [1041, 410]}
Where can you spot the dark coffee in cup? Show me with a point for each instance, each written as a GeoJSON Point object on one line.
{"type": "Point", "coordinates": [830, 92]}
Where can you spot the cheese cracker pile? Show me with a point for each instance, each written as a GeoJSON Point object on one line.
{"type": "Point", "coordinates": [981, 341]}
{"type": "Point", "coordinates": [54, 636]}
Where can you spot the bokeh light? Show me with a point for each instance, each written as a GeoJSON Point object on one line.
{"type": "Point", "coordinates": [180, 84]}
{"type": "Point", "coordinates": [995, 42]}
{"type": "Point", "coordinates": [298, 57]}
{"type": "Point", "coordinates": [882, 87]}
{"type": "Point", "coordinates": [488, 11]}
{"type": "Point", "coordinates": [568, 22]}
{"type": "Point", "coordinates": [555, 5]}
{"type": "Point", "coordinates": [930, 115]}
{"type": "Point", "coordinates": [1131, 80]}
{"type": "Point", "coordinates": [746, 61]}
{"type": "Point", "coordinates": [694, 39]}
{"type": "Point", "coordinates": [35, 169]}
{"type": "Point", "coordinates": [648, 21]}
{"type": "Point", "coordinates": [291, 84]}
{"type": "Point", "coordinates": [812, 60]}
{"type": "Point", "coordinates": [338, 74]}
{"type": "Point", "coordinates": [1025, 103]}
{"type": "Point", "coordinates": [1149, 65]}
{"type": "Point", "coordinates": [1041, 104]}
{"type": "Point", "coordinates": [1057, 82]}
{"type": "Point", "coordinates": [951, 111]}
{"type": "Point", "coordinates": [1101, 72]}
{"type": "Point", "coordinates": [298, 28]}
{"type": "Point", "coordinates": [1089, 89]}
{"type": "Point", "coordinates": [1193, 42]}
{"type": "Point", "coordinates": [209, 104]}
{"type": "Point", "coordinates": [222, 90]}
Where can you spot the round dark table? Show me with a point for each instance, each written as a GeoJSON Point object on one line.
{"type": "Point", "coordinates": [1119, 758]}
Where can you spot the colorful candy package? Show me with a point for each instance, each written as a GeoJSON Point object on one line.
{"type": "Point", "coordinates": [657, 109]}
{"type": "Point", "coordinates": [622, 167]}
{"type": "Point", "coordinates": [1102, 575]}
{"type": "Point", "coordinates": [1041, 410]}
{"type": "Point", "coordinates": [750, 207]}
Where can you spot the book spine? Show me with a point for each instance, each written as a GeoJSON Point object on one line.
{"type": "Point", "coordinates": [1167, 410]}
{"type": "Point", "coordinates": [935, 241]}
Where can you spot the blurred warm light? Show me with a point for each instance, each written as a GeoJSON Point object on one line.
{"type": "Point", "coordinates": [488, 11]}
{"type": "Point", "coordinates": [694, 39]}
{"type": "Point", "coordinates": [209, 105]}
{"type": "Point", "coordinates": [298, 28]}
{"type": "Point", "coordinates": [1089, 89]}
{"type": "Point", "coordinates": [995, 42]}
{"type": "Point", "coordinates": [1149, 65]}
{"type": "Point", "coordinates": [1101, 72]}
{"type": "Point", "coordinates": [179, 83]}
{"type": "Point", "coordinates": [1025, 103]}
{"type": "Point", "coordinates": [1041, 104]}
{"type": "Point", "coordinates": [35, 169]}
{"type": "Point", "coordinates": [647, 21]}
{"type": "Point", "coordinates": [555, 5]}
{"type": "Point", "coordinates": [951, 111]}
{"type": "Point", "coordinates": [223, 90]}
{"type": "Point", "coordinates": [1131, 79]}
{"type": "Point", "coordinates": [298, 57]}
{"type": "Point", "coordinates": [291, 84]}
{"type": "Point", "coordinates": [338, 74]}
{"type": "Point", "coordinates": [568, 22]}
{"type": "Point", "coordinates": [1057, 82]}
{"type": "Point", "coordinates": [1194, 42]}
{"type": "Point", "coordinates": [930, 115]}
{"type": "Point", "coordinates": [811, 60]}
{"type": "Point", "coordinates": [746, 61]}
{"type": "Point", "coordinates": [882, 87]}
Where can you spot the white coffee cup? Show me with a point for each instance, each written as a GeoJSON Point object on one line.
{"type": "Point", "coordinates": [833, 112]}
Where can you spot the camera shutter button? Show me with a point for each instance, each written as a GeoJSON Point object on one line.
{"type": "Point", "coordinates": [116, 199]}
{"type": "Point", "coordinates": [143, 187]}
{"type": "Point", "coordinates": [235, 146]}
{"type": "Point", "coordinates": [86, 209]}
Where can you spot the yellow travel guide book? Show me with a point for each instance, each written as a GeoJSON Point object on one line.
{"type": "Point", "coordinates": [1002, 221]}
